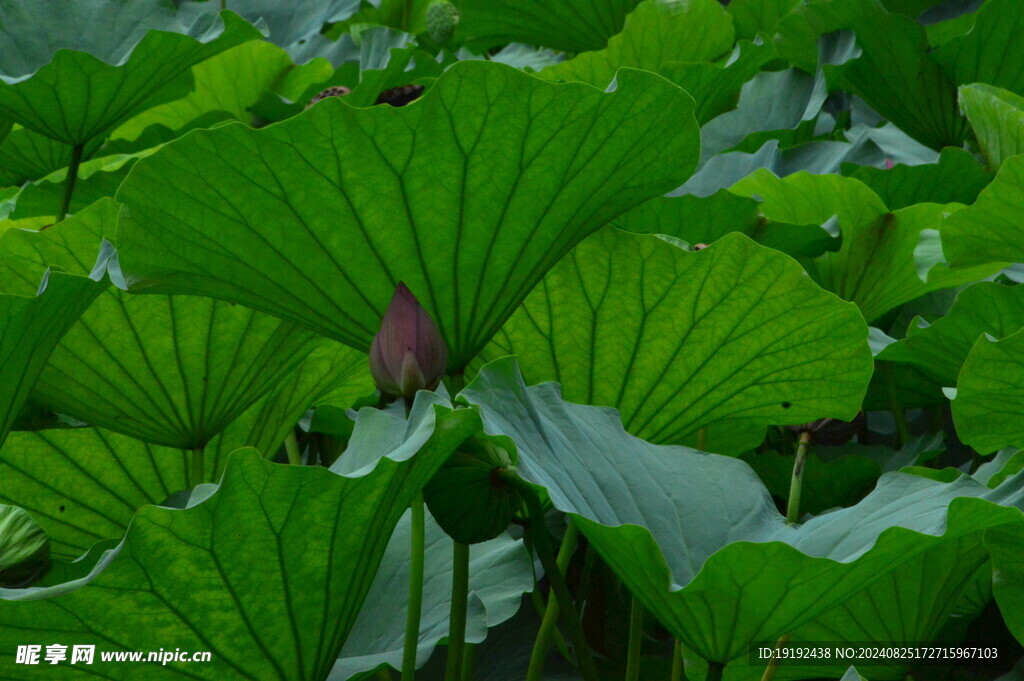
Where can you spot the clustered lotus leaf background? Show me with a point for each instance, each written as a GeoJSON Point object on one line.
{"type": "Point", "coordinates": [659, 239]}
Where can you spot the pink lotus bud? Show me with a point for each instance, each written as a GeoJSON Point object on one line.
{"type": "Point", "coordinates": [888, 164]}
{"type": "Point", "coordinates": [408, 353]}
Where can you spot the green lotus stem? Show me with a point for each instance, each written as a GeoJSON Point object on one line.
{"type": "Point", "coordinates": [406, 10]}
{"type": "Point", "coordinates": [467, 662]}
{"type": "Point", "coordinates": [702, 439]}
{"type": "Point", "coordinates": [223, 5]}
{"type": "Point", "coordinates": [70, 180]}
{"type": "Point", "coordinates": [678, 668]}
{"type": "Point", "coordinates": [773, 664]}
{"type": "Point", "coordinates": [455, 383]}
{"type": "Point", "coordinates": [796, 482]}
{"type": "Point", "coordinates": [291, 445]}
{"type": "Point", "coordinates": [715, 670]}
{"type": "Point", "coordinates": [457, 616]}
{"type": "Point", "coordinates": [589, 557]}
{"type": "Point", "coordinates": [636, 631]}
{"type": "Point", "coordinates": [415, 611]}
{"type": "Point", "coordinates": [197, 467]}
{"type": "Point", "coordinates": [902, 430]}
{"type": "Point", "coordinates": [545, 551]}
{"type": "Point", "coordinates": [549, 624]}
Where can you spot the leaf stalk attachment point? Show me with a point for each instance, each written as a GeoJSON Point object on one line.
{"type": "Point", "coordinates": [69, 182]}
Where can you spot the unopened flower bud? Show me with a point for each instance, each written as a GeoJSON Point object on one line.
{"type": "Point", "coordinates": [442, 18]}
{"type": "Point", "coordinates": [408, 353]}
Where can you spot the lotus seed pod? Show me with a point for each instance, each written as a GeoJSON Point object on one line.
{"type": "Point", "coordinates": [442, 18]}
{"type": "Point", "coordinates": [335, 91]}
{"type": "Point", "coordinates": [408, 353]}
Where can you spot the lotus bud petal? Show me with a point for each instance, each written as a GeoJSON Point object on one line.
{"type": "Point", "coordinates": [408, 353]}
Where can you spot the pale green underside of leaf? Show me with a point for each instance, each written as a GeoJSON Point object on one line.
{"type": "Point", "coordinates": [879, 266]}
{"type": "Point", "coordinates": [279, 561]}
{"type": "Point", "coordinates": [678, 340]}
{"type": "Point", "coordinates": [77, 97]}
{"type": "Point", "coordinates": [500, 572]}
{"type": "Point", "coordinates": [997, 117]}
{"type": "Point", "coordinates": [697, 538]}
{"type": "Point", "coordinates": [570, 25]}
{"type": "Point", "coordinates": [942, 347]}
{"type": "Point", "coordinates": [468, 196]}
{"type": "Point", "coordinates": [991, 229]}
{"type": "Point", "coordinates": [989, 407]}
{"type": "Point", "coordinates": [656, 33]}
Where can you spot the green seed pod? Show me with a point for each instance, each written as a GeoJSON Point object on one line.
{"type": "Point", "coordinates": [468, 497]}
{"type": "Point", "coordinates": [24, 547]}
{"type": "Point", "coordinates": [442, 18]}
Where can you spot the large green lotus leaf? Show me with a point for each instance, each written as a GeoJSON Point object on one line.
{"type": "Point", "coordinates": [942, 347]}
{"type": "Point", "coordinates": [990, 394]}
{"type": "Point", "coordinates": [37, 307]}
{"type": "Point", "coordinates": [997, 117]}
{"type": "Point", "coordinates": [911, 603]}
{"type": "Point", "coordinates": [171, 370]}
{"type": "Point", "coordinates": [230, 82]}
{"type": "Point", "coordinates": [468, 197]}
{"type": "Point", "coordinates": [77, 78]}
{"type": "Point", "coordinates": [1007, 548]}
{"type": "Point", "coordinates": [679, 340]}
{"type": "Point", "coordinates": [97, 179]}
{"type": "Point", "coordinates": [26, 155]}
{"type": "Point", "coordinates": [85, 484]}
{"type": "Point", "coordinates": [990, 230]}
{"type": "Point", "coordinates": [696, 537]}
{"type": "Point", "coordinates": [990, 51]}
{"type": "Point", "coordinates": [758, 16]}
{"type": "Point", "coordinates": [332, 374]}
{"type": "Point", "coordinates": [657, 32]}
{"type": "Point", "coordinates": [716, 86]}
{"type": "Point", "coordinates": [956, 178]}
{"type": "Point", "coordinates": [570, 25]}
{"type": "Point", "coordinates": [500, 572]}
{"type": "Point", "coordinates": [268, 574]}
{"type": "Point", "coordinates": [887, 257]}
{"type": "Point", "coordinates": [893, 74]}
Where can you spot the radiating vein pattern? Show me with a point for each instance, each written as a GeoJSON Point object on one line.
{"type": "Point", "coordinates": [468, 196]}
{"type": "Point", "coordinates": [677, 340]}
